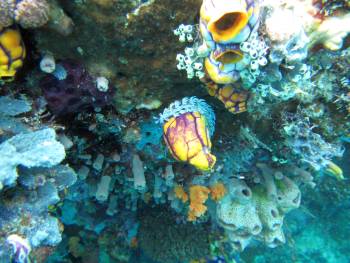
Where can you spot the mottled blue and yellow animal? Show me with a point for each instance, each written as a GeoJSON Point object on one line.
{"type": "Point", "coordinates": [226, 22]}
{"type": "Point", "coordinates": [12, 53]}
{"type": "Point", "coordinates": [224, 25]}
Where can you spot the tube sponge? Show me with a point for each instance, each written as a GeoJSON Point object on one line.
{"type": "Point", "coordinates": [139, 174]}
{"type": "Point", "coordinates": [274, 238]}
{"type": "Point", "coordinates": [257, 212]}
{"type": "Point", "coordinates": [268, 180]}
{"type": "Point", "coordinates": [268, 212]}
{"type": "Point", "coordinates": [240, 217]}
{"type": "Point", "coordinates": [102, 192]}
{"type": "Point", "coordinates": [288, 195]}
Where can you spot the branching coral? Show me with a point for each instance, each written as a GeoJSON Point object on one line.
{"type": "Point", "coordinates": [217, 191]}
{"type": "Point", "coordinates": [198, 195]}
{"type": "Point", "coordinates": [180, 193]}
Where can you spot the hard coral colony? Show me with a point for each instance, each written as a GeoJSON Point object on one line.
{"type": "Point", "coordinates": [94, 167]}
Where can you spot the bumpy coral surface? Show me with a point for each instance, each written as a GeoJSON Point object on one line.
{"type": "Point", "coordinates": [27, 13]}
{"type": "Point", "coordinates": [31, 13]}
{"type": "Point", "coordinates": [39, 181]}
{"type": "Point", "coordinates": [187, 242]}
{"type": "Point", "coordinates": [6, 10]}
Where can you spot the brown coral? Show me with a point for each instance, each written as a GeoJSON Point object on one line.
{"type": "Point", "coordinates": [59, 21]}
{"type": "Point", "coordinates": [6, 13]}
{"type": "Point", "coordinates": [198, 196]}
{"type": "Point", "coordinates": [217, 191]}
{"type": "Point", "coordinates": [31, 13]}
{"type": "Point", "coordinates": [180, 193]}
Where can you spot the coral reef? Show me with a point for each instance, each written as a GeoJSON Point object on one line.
{"type": "Point", "coordinates": [205, 166]}
{"type": "Point", "coordinates": [27, 150]}
{"type": "Point", "coordinates": [30, 13]}
{"type": "Point", "coordinates": [104, 39]}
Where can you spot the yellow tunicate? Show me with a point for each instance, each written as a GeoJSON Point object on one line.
{"type": "Point", "coordinates": [187, 138]}
{"type": "Point", "coordinates": [225, 18]}
{"type": "Point", "coordinates": [12, 52]}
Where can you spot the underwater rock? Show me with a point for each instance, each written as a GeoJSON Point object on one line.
{"type": "Point", "coordinates": [110, 49]}
{"type": "Point", "coordinates": [59, 21]}
{"type": "Point", "coordinates": [331, 32]}
{"type": "Point", "coordinates": [31, 13]}
{"type": "Point", "coordinates": [13, 107]}
{"type": "Point", "coordinates": [31, 182]}
{"type": "Point", "coordinates": [30, 205]}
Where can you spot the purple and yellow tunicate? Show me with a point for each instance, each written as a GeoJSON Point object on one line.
{"type": "Point", "coordinates": [224, 25]}
{"type": "Point", "coordinates": [233, 96]}
{"type": "Point", "coordinates": [226, 22]}
{"type": "Point", "coordinates": [12, 52]}
{"type": "Point", "coordinates": [187, 127]}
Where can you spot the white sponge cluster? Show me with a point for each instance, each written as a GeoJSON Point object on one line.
{"type": "Point", "coordinates": [184, 32]}
{"type": "Point", "coordinates": [192, 59]}
{"type": "Point", "coordinates": [255, 50]}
